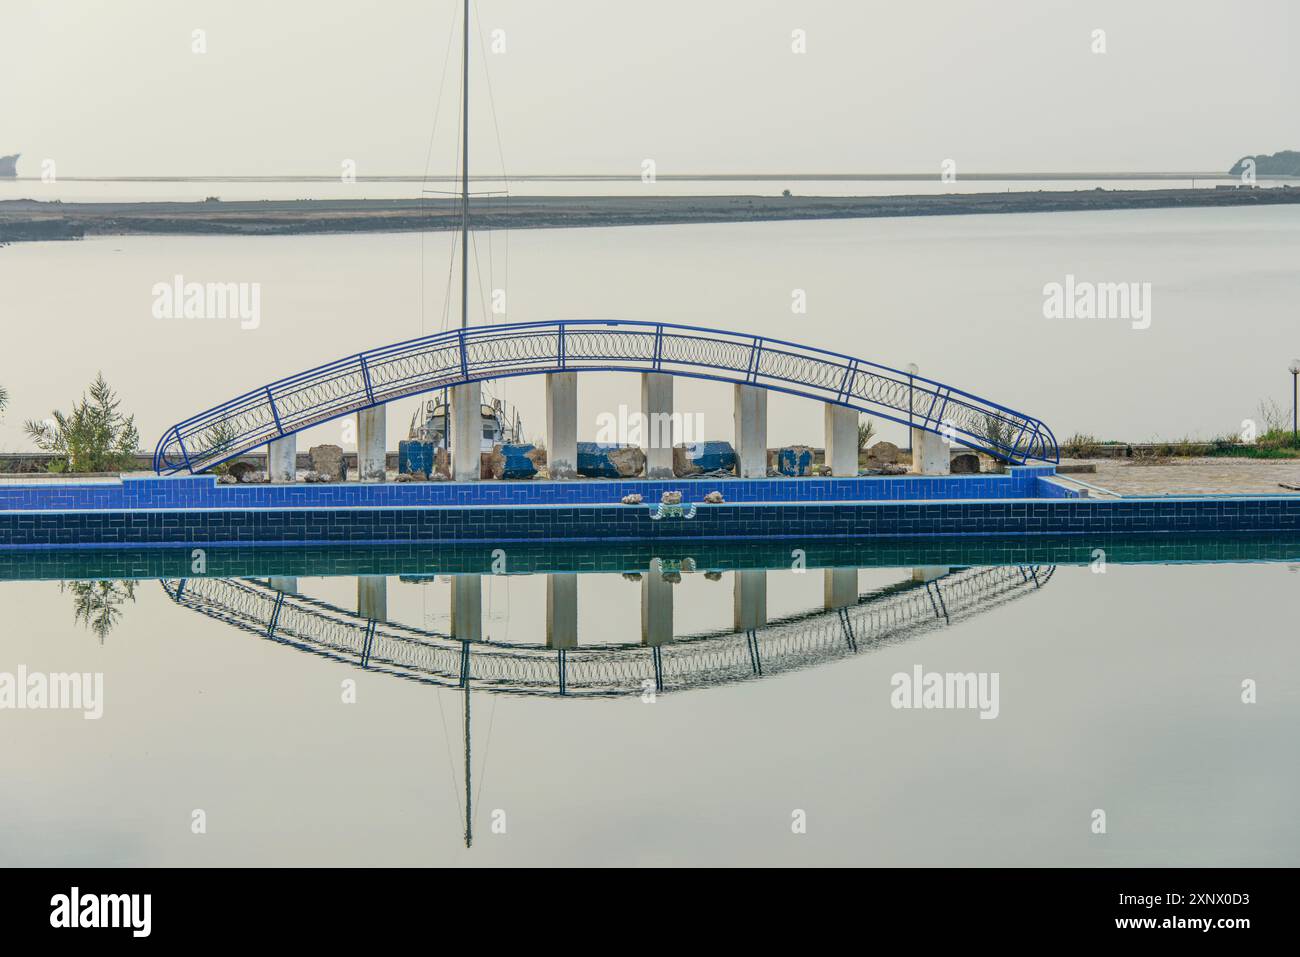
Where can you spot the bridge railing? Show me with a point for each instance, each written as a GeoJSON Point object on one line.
{"type": "Point", "coordinates": [492, 352]}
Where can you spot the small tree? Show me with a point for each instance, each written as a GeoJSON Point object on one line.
{"type": "Point", "coordinates": [866, 431]}
{"type": "Point", "coordinates": [999, 433]}
{"type": "Point", "coordinates": [220, 438]}
{"type": "Point", "coordinates": [98, 604]}
{"type": "Point", "coordinates": [93, 437]}
{"type": "Point", "coordinates": [1272, 416]}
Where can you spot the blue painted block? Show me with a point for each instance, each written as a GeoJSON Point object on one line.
{"type": "Point", "coordinates": [517, 463]}
{"type": "Point", "coordinates": [414, 456]}
{"type": "Point", "coordinates": [594, 460]}
{"type": "Point", "coordinates": [709, 456]}
{"type": "Point", "coordinates": [794, 461]}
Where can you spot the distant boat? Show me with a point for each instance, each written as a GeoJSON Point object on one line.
{"type": "Point", "coordinates": [9, 165]}
{"type": "Point", "coordinates": [500, 423]}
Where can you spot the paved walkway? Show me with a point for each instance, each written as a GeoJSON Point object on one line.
{"type": "Point", "coordinates": [1192, 476]}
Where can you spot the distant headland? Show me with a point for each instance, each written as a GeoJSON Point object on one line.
{"type": "Point", "coordinates": [1284, 163]}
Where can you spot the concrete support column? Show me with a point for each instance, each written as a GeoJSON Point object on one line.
{"type": "Point", "coordinates": [750, 599]}
{"type": "Point", "coordinates": [750, 414]}
{"type": "Point", "coordinates": [562, 611]}
{"type": "Point", "coordinates": [656, 609]}
{"type": "Point", "coordinates": [467, 607]}
{"type": "Point", "coordinates": [841, 440]}
{"type": "Point", "coordinates": [657, 407]}
{"type": "Point", "coordinates": [285, 586]}
{"type": "Point", "coordinates": [928, 573]}
{"type": "Point", "coordinates": [466, 431]}
{"type": "Point", "coordinates": [930, 454]}
{"type": "Point", "coordinates": [562, 424]}
{"type": "Point", "coordinates": [839, 588]}
{"type": "Point", "coordinates": [282, 459]}
{"type": "Point", "coordinates": [372, 443]}
{"type": "Point", "coordinates": [372, 597]}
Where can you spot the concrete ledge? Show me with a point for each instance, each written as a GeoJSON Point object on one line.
{"type": "Point", "coordinates": [203, 492]}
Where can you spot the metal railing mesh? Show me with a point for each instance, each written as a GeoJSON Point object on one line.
{"type": "Point", "coordinates": [446, 359]}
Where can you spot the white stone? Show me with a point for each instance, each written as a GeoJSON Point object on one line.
{"type": "Point", "coordinates": [282, 459]}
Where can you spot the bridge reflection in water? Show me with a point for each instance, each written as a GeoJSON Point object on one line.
{"type": "Point", "coordinates": [848, 624]}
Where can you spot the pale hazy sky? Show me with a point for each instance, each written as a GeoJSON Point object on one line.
{"type": "Point", "coordinates": [297, 86]}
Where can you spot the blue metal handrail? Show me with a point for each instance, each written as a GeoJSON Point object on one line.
{"type": "Point", "coordinates": [421, 365]}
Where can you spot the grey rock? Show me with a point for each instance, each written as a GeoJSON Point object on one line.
{"type": "Point", "coordinates": [883, 453]}
{"type": "Point", "coordinates": [327, 461]}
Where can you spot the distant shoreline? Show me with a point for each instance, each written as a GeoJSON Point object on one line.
{"type": "Point", "coordinates": [31, 220]}
{"type": "Point", "coordinates": [896, 177]}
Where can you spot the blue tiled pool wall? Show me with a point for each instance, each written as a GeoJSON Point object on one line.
{"type": "Point", "coordinates": [613, 523]}
{"type": "Point", "coordinates": [202, 492]}
{"type": "Point", "coordinates": [527, 558]}
{"type": "Point", "coordinates": [1047, 487]}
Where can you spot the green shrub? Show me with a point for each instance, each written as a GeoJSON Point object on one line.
{"type": "Point", "coordinates": [866, 431]}
{"type": "Point", "coordinates": [1080, 446]}
{"type": "Point", "coordinates": [93, 437]}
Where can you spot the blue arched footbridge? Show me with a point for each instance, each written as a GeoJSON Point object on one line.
{"type": "Point", "coordinates": [481, 353]}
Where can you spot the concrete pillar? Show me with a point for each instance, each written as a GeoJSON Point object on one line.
{"type": "Point", "coordinates": [372, 597]}
{"type": "Point", "coordinates": [466, 431]}
{"type": "Point", "coordinates": [285, 586]}
{"type": "Point", "coordinates": [656, 609]}
{"type": "Point", "coordinates": [841, 440]}
{"type": "Point", "coordinates": [930, 454]}
{"type": "Point", "coordinates": [750, 599]}
{"type": "Point", "coordinates": [372, 443]}
{"type": "Point", "coordinates": [562, 610]}
{"type": "Point", "coordinates": [282, 459]}
{"type": "Point", "coordinates": [839, 588]}
{"type": "Point", "coordinates": [657, 408]}
{"type": "Point", "coordinates": [750, 414]}
{"type": "Point", "coordinates": [562, 424]}
{"type": "Point", "coordinates": [928, 573]}
{"type": "Point", "coordinates": [467, 607]}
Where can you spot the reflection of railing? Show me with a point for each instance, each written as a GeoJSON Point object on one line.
{"type": "Point", "coordinates": [494, 352]}
{"type": "Point", "coordinates": [597, 670]}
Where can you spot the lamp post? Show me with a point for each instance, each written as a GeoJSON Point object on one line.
{"type": "Point", "coordinates": [1295, 371]}
{"type": "Point", "coordinates": [911, 370]}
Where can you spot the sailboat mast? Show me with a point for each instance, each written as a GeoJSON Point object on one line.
{"type": "Point", "coordinates": [464, 165]}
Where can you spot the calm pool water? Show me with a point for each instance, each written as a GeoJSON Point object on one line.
{"type": "Point", "coordinates": [1119, 688]}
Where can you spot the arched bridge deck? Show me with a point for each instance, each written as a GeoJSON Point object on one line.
{"type": "Point", "coordinates": [494, 352]}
